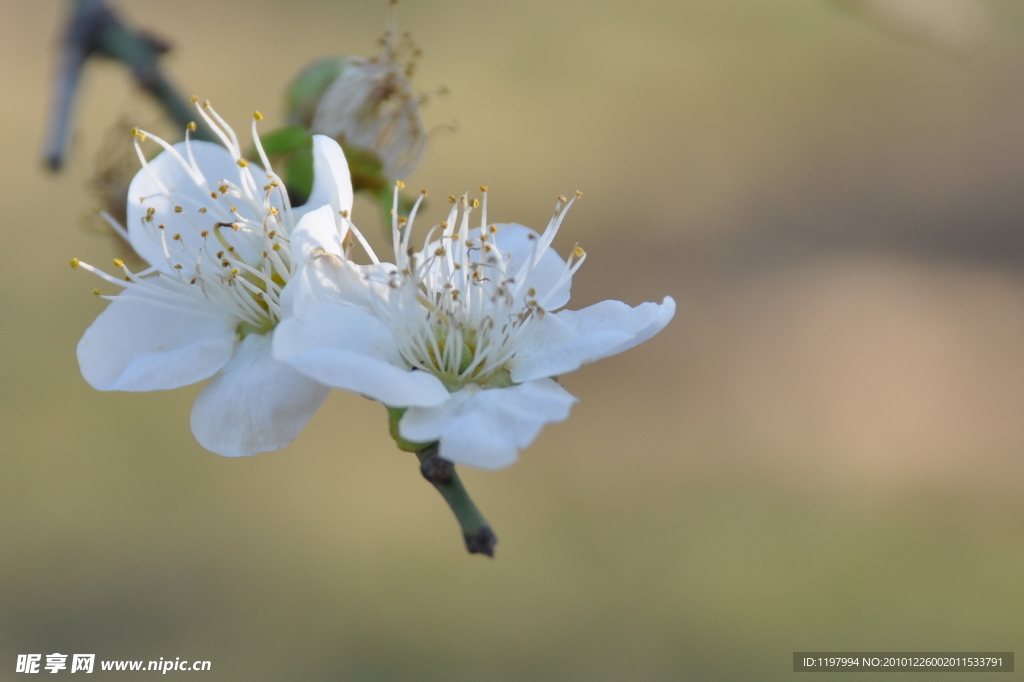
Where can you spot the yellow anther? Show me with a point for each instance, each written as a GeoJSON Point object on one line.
{"type": "Point", "coordinates": [403, 221]}
{"type": "Point", "coordinates": [178, 266]}
{"type": "Point", "coordinates": [271, 234]}
{"type": "Point", "coordinates": [579, 194]}
{"type": "Point", "coordinates": [193, 99]}
{"type": "Point", "coordinates": [191, 126]}
{"type": "Point", "coordinates": [96, 292]}
{"type": "Point", "coordinates": [223, 189]}
{"type": "Point", "coordinates": [213, 195]}
{"type": "Point", "coordinates": [531, 292]}
{"type": "Point", "coordinates": [161, 226]}
{"type": "Point", "coordinates": [444, 224]}
{"type": "Point", "coordinates": [178, 209]}
{"type": "Point", "coordinates": [483, 188]}
{"type": "Point", "coordinates": [273, 210]}
{"type": "Point", "coordinates": [202, 209]}
{"type": "Point", "coordinates": [424, 192]}
{"type": "Point", "coordinates": [176, 237]}
{"type": "Point", "coordinates": [204, 233]}
{"type": "Point", "coordinates": [476, 203]}
{"type": "Point", "coordinates": [493, 229]}
{"type": "Point", "coordinates": [74, 262]}
{"type": "Point", "coordinates": [562, 198]}
{"type": "Point", "coordinates": [206, 104]}
{"type": "Point", "coordinates": [150, 211]}
{"type": "Point", "coordinates": [578, 252]}
{"type": "Point", "coordinates": [344, 214]}
{"type": "Point", "coordinates": [118, 262]}
{"type": "Point", "coordinates": [234, 209]}
{"type": "Point", "coordinates": [277, 247]}
{"type": "Point", "coordinates": [399, 184]}
{"type": "Point", "coordinates": [451, 198]}
{"type": "Point", "coordinates": [135, 132]}
{"type": "Point", "coordinates": [242, 162]}
{"type": "Point", "coordinates": [220, 254]}
{"type": "Point", "coordinates": [257, 115]}
{"type": "Point", "coordinates": [439, 252]}
{"type": "Point", "coordinates": [235, 271]}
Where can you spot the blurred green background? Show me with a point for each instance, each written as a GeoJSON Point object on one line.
{"type": "Point", "coordinates": [824, 450]}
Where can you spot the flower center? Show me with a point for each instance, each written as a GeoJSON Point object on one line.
{"type": "Point", "coordinates": [461, 307]}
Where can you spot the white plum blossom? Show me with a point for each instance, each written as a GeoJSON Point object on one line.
{"type": "Point", "coordinates": [372, 105]}
{"type": "Point", "coordinates": [463, 334]}
{"type": "Point", "coordinates": [215, 230]}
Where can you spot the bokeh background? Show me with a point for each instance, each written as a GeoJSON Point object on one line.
{"type": "Point", "coordinates": [824, 450]}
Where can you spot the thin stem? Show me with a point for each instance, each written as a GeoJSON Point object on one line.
{"type": "Point", "coordinates": [479, 537]}
{"type": "Point", "coordinates": [94, 29]}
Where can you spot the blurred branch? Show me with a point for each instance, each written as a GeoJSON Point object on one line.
{"type": "Point", "coordinates": [93, 29]}
{"type": "Point", "coordinates": [479, 537]}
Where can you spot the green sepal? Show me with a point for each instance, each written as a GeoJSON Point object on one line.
{"type": "Point", "coordinates": [285, 140]}
{"type": "Point", "coordinates": [304, 92]}
{"type": "Point", "coordinates": [394, 416]}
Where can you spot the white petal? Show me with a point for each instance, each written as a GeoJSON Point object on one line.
{"type": "Point", "coordinates": [486, 427]}
{"type": "Point", "coordinates": [565, 341]}
{"type": "Point", "coordinates": [138, 345]}
{"type": "Point", "coordinates": [333, 279]}
{"type": "Point", "coordinates": [516, 240]}
{"type": "Point", "coordinates": [332, 182]}
{"type": "Point", "coordinates": [255, 404]}
{"type": "Point", "coordinates": [317, 230]}
{"type": "Point", "coordinates": [346, 347]}
{"type": "Point", "coordinates": [216, 164]}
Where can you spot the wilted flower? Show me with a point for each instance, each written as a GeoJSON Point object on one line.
{"type": "Point", "coordinates": [215, 229]}
{"type": "Point", "coordinates": [372, 105]}
{"type": "Point", "coordinates": [461, 333]}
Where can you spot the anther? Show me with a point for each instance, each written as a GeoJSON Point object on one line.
{"type": "Point", "coordinates": [202, 209]}
{"type": "Point", "coordinates": [344, 214]}
{"type": "Point", "coordinates": [118, 262]}
{"type": "Point", "coordinates": [204, 233]}
{"type": "Point", "coordinates": [257, 115]}
{"type": "Point", "coordinates": [176, 237]}
{"type": "Point", "coordinates": [191, 126]}
{"type": "Point", "coordinates": [424, 192]}
{"type": "Point", "coordinates": [562, 198]}
{"type": "Point", "coordinates": [74, 262]}
{"type": "Point", "coordinates": [277, 247]}
{"type": "Point", "coordinates": [483, 188]}
{"type": "Point", "coordinates": [476, 203]}
{"type": "Point", "coordinates": [193, 99]}
{"type": "Point", "coordinates": [271, 234]}
{"type": "Point", "coordinates": [223, 189]}
{"type": "Point", "coordinates": [451, 198]}
{"type": "Point", "coordinates": [96, 292]}
{"type": "Point", "coordinates": [577, 252]}
{"type": "Point", "coordinates": [399, 184]}
{"type": "Point", "coordinates": [242, 162]}
{"type": "Point", "coordinates": [177, 266]}
{"type": "Point", "coordinates": [273, 210]}
{"type": "Point", "coordinates": [213, 195]}
{"type": "Point", "coordinates": [493, 229]}
{"type": "Point", "coordinates": [235, 271]}
{"type": "Point", "coordinates": [579, 194]}
{"type": "Point", "coordinates": [178, 209]}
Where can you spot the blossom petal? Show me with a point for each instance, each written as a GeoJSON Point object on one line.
{"type": "Point", "coordinates": [255, 403]}
{"type": "Point", "coordinates": [346, 347]}
{"type": "Point", "coordinates": [565, 341]}
{"type": "Point", "coordinates": [486, 427]}
{"type": "Point", "coordinates": [316, 230]}
{"type": "Point", "coordinates": [332, 182]}
{"type": "Point", "coordinates": [518, 241]}
{"type": "Point", "coordinates": [140, 345]}
{"type": "Point", "coordinates": [166, 172]}
{"type": "Point", "coordinates": [333, 279]}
